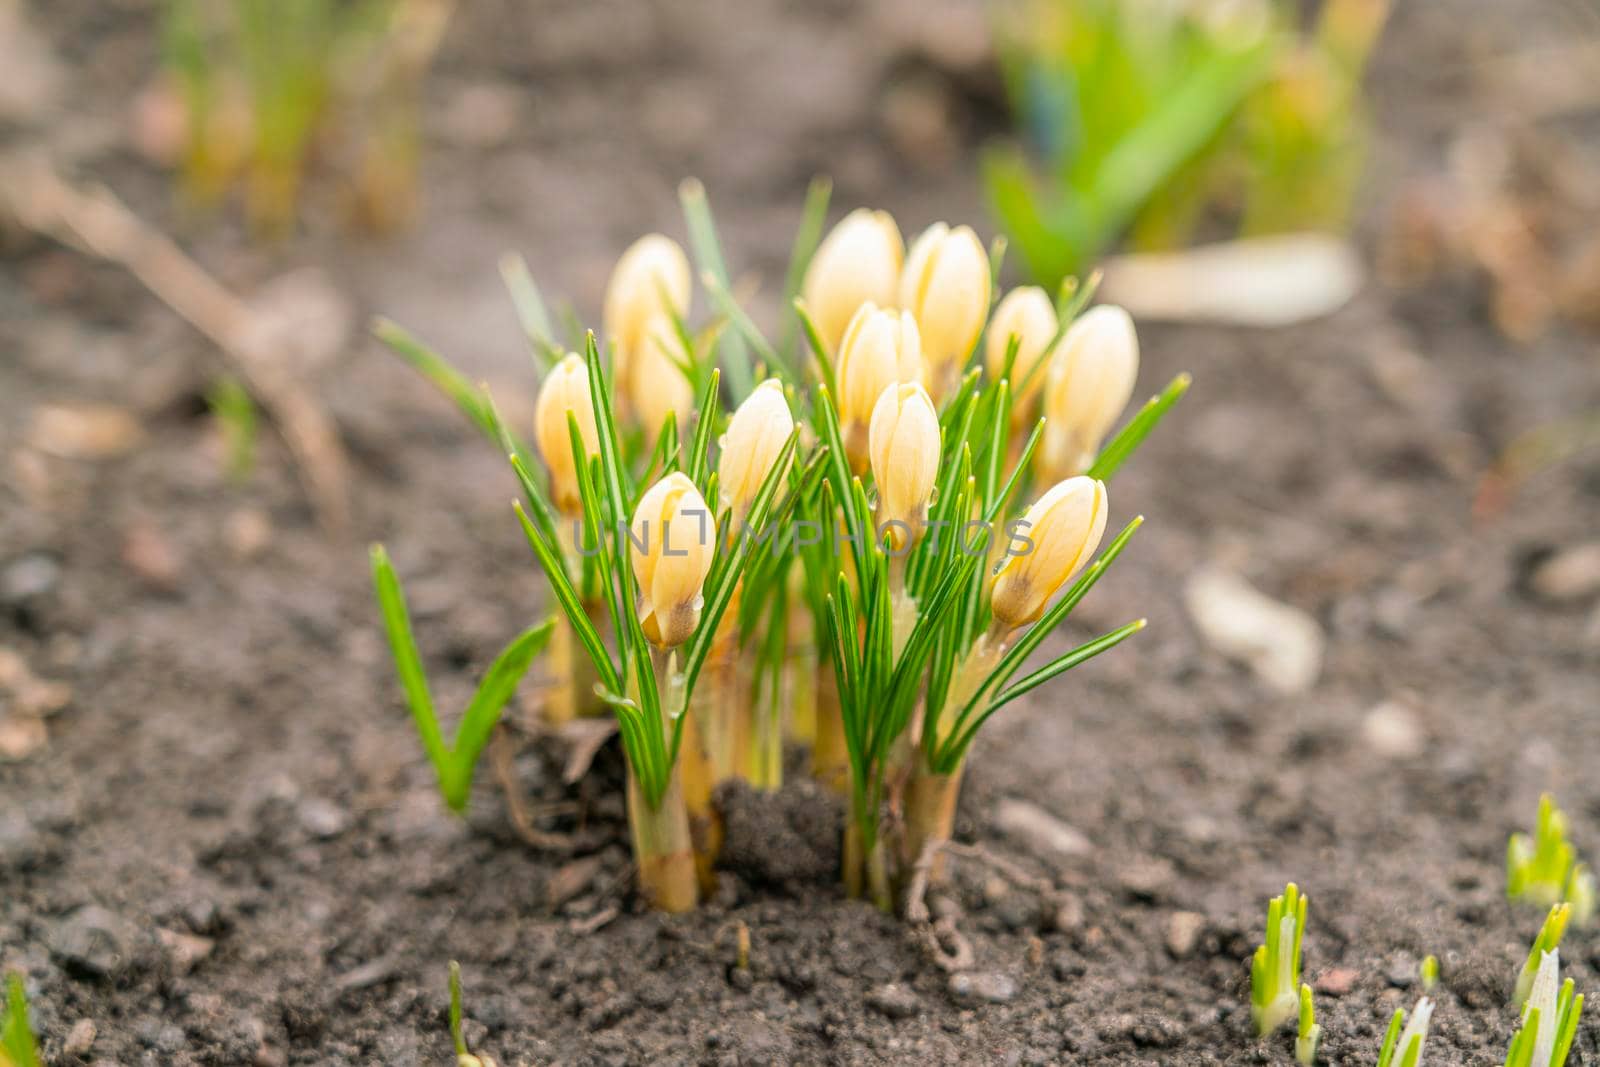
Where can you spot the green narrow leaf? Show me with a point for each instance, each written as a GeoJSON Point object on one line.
{"type": "Point", "coordinates": [806, 239]}
{"type": "Point", "coordinates": [1131, 436]}
{"type": "Point", "coordinates": [531, 311]}
{"type": "Point", "coordinates": [744, 327]}
{"type": "Point", "coordinates": [818, 349]}
{"type": "Point", "coordinates": [708, 257]}
{"type": "Point", "coordinates": [437, 370]}
{"type": "Point", "coordinates": [698, 463]}
{"type": "Point", "coordinates": [728, 580]}
{"type": "Point", "coordinates": [494, 692]}
{"type": "Point", "coordinates": [571, 606]}
{"type": "Point", "coordinates": [407, 660]}
{"type": "Point", "coordinates": [16, 1036]}
{"type": "Point", "coordinates": [455, 1009]}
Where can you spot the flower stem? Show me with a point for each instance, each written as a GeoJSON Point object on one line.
{"type": "Point", "coordinates": [866, 863]}
{"type": "Point", "coordinates": [662, 846]}
{"type": "Point", "coordinates": [930, 814]}
{"type": "Point", "coordinates": [830, 757]}
{"type": "Point", "coordinates": [692, 771]}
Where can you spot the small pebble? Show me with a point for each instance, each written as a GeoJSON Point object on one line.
{"type": "Point", "coordinates": [1281, 644]}
{"type": "Point", "coordinates": [185, 951]}
{"type": "Point", "coordinates": [1391, 730]}
{"type": "Point", "coordinates": [80, 1039]}
{"type": "Point", "coordinates": [989, 986]}
{"type": "Point", "coordinates": [1068, 914]}
{"type": "Point", "coordinates": [1568, 574]}
{"type": "Point", "coordinates": [1336, 982]}
{"type": "Point", "coordinates": [29, 577]}
{"type": "Point", "coordinates": [22, 847]}
{"type": "Point", "coordinates": [1146, 877]}
{"type": "Point", "coordinates": [1402, 971]}
{"type": "Point", "coordinates": [1041, 833]}
{"type": "Point", "coordinates": [84, 431]}
{"type": "Point", "coordinates": [1183, 933]}
{"type": "Point", "coordinates": [93, 943]}
{"type": "Point", "coordinates": [894, 1000]}
{"type": "Point", "coordinates": [149, 554]}
{"type": "Point", "coordinates": [322, 818]}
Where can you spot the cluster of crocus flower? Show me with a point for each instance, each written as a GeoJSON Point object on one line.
{"type": "Point", "coordinates": [681, 576]}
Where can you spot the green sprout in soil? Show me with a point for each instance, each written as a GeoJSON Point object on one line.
{"type": "Point", "coordinates": [1309, 1035]}
{"type": "Point", "coordinates": [238, 421]}
{"type": "Point", "coordinates": [262, 92]}
{"type": "Point", "coordinates": [463, 1057]}
{"type": "Point", "coordinates": [454, 762]}
{"type": "Point", "coordinates": [1544, 869]}
{"type": "Point", "coordinates": [1275, 970]}
{"type": "Point", "coordinates": [1549, 1018]}
{"type": "Point", "coordinates": [17, 1047]}
{"type": "Point", "coordinates": [1548, 939]}
{"type": "Point", "coordinates": [1430, 972]}
{"type": "Point", "coordinates": [1143, 121]}
{"type": "Point", "coordinates": [1404, 1041]}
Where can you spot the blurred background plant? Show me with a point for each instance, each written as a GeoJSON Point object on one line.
{"type": "Point", "coordinates": [256, 95]}
{"type": "Point", "coordinates": [1147, 118]}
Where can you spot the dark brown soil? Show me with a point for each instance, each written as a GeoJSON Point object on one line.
{"type": "Point", "coordinates": [236, 765]}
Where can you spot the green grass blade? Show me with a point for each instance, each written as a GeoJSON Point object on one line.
{"type": "Point", "coordinates": [745, 329]}
{"type": "Point", "coordinates": [1131, 436]}
{"type": "Point", "coordinates": [728, 580]}
{"type": "Point", "coordinates": [16, 1036]}
{"type": "Point", "coordinates": [408, 662]}
{"type": "Point", "coordinates": [708, 257]}
{"type": "Point", "coordinates": [496, 689]}
{"type": "Point", "coordinates": [531, 310]}
{"type": "Point", "coordinates": [818, 349]}
{"type": "Point", "coordinates": [806, 239]}
{"type": "Point", "coordinates": [698, 462]}
{"type": "Point", "coordinates": [571, 606]}
{"type": "Point", "coordinates": [455, 1010]}
{"type": "Point", "coordinates": [437, 370]}
{"type": "Point", "coordinates": [953, 753]}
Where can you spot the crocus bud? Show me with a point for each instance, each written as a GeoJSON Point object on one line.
{"type": "Point", "coordinates": [756, 434]}
{"type": "Point", "coordinates": [651, 278]}
{"type": "Point", "coordinates": [1091, 379]}
{"type": "Point", "coordinates": [857, 263]}
{"type": "Point", "coordinates": [1027, 314]}
{"type": "Point", "coordinates": [1047, 546]}
{"type": "Point", "coordinates": [880, 348]}
{"type": "Point", "coordinates": [565, 390]}
{"type": "Point", "coordinates": [671, 545]}
{"type": "Point", "coordinates": [656, 384]}
{"type": "Point", "coordinates": [946, 288]}
{"type": "Point", "coordinates": [904, 446]}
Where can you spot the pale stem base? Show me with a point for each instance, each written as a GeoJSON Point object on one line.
{"type": "Point", "coordinates": [662, 847]}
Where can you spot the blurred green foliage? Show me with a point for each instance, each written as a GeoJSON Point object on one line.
{"type": "Point", "coordinates": [263, 89]}
{"type": "Point", "coordinates": [1141, 117]}
{"type": "Point", "coordinates": [17, 1048]}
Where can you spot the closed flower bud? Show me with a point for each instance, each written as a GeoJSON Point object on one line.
{"type": "Point", "coordinates": [880, 348]}
{"type": "Point", "coordinates": [756, 434]}
{"type": "Point", "coordinates": [656, 384]}
{"type": "Point", "coordinates": [857, 263]}
{"type": "Point", "coordinates": [565, 390]}
{"type": "Point", "coordinates": [946, 288]}
{"type": "Point", "coordinates": [651, 278]}
{"type": "Point", "coordinates": [1048, 545]}
{"type": "Point", "coordinates": [1027, 314]}
{"type": "Point", "coordinates": [1091, 379]}
{"type": "Point", "coordinates": [904, 446]}
{"type": "Point", "coordinates": [671, 545]}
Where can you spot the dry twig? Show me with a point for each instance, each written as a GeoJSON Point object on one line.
{"type": "Point", "coordinates": [92, 220]}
